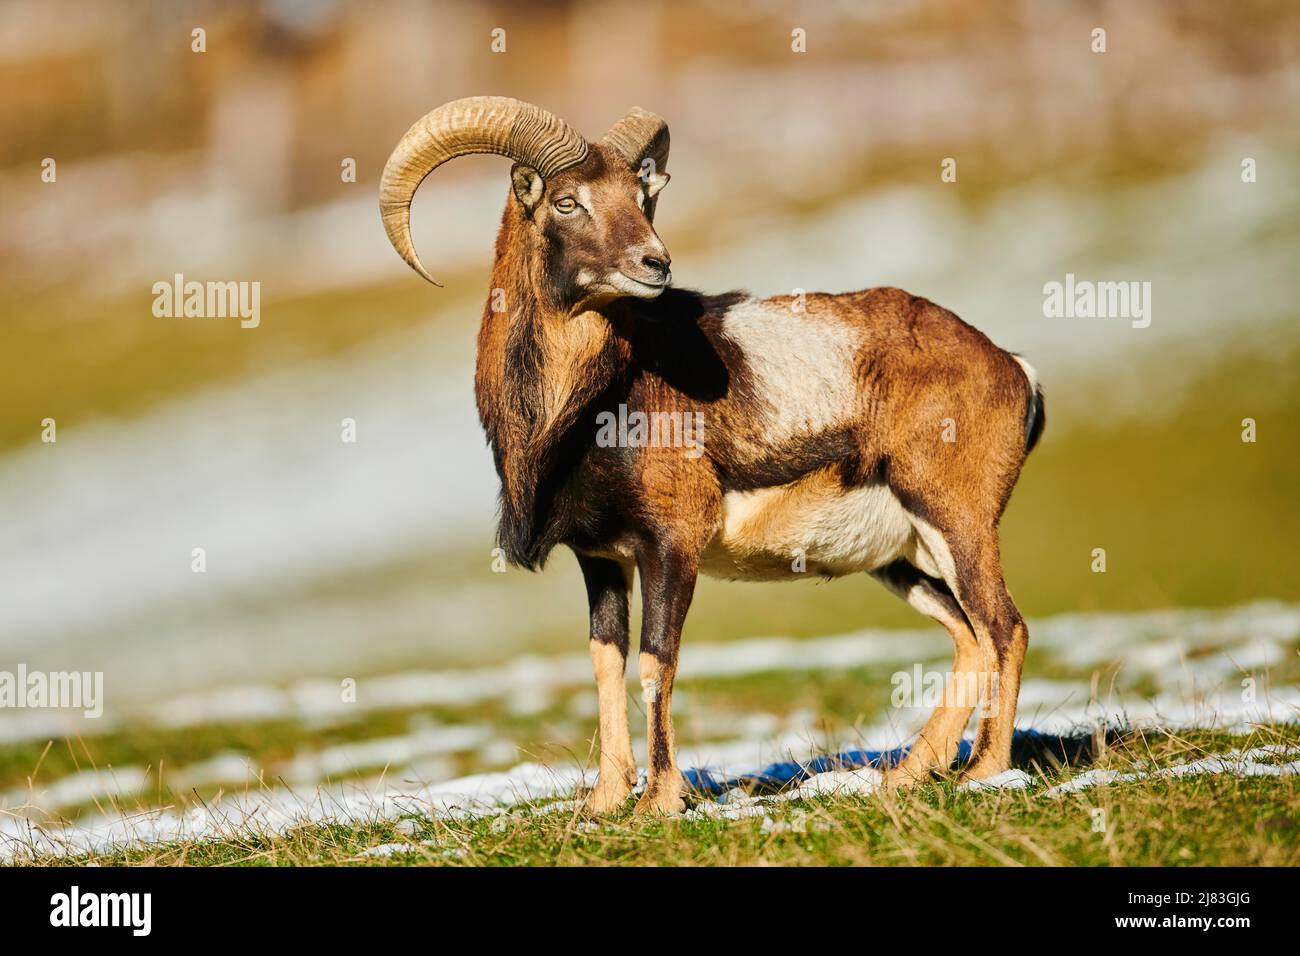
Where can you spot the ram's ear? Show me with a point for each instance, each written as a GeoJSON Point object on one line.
{"type": "Point", "coordinates": [655, 182]}
{"type": "Point", "coordinates": [528, 185]}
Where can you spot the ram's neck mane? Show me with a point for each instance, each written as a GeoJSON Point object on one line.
{"type": "Point", "coordinates": [539, 368]}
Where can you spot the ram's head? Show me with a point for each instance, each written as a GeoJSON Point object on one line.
{"type": "Point", "coordinates": [586, 209]}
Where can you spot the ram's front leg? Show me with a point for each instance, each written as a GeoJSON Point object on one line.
{"type": "Point", "coordinates": [667, 585]}
{"type": "Point", "coordinates": [608, 584]}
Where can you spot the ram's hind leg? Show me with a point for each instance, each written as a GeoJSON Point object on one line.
{"type": "Point", "coordinates": [1004, 638]}
{"type": "Point", "coordinates": [608, 586]}
{"type": "Point", "coordinates": [935, 747]}
{"type": "Point", "coordinates": [968, 557]}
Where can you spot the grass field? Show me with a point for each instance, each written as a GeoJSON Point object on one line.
{"type": "Point", "coordinates": [1210, 819]}
{"type": "Point", "coordinates": [326, 782]}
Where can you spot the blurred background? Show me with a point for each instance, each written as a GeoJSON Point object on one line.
{"type": "Point", "coordinates": [817, 170]}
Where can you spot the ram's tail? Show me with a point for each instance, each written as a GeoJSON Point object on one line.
{"type": "Point", "coordinates": [1036, 412]}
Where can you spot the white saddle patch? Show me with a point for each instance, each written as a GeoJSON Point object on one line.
{"type": "Point", "coordinates": [805, 358]}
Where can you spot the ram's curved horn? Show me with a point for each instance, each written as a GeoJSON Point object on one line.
{"type": "Point", "coordinates": [640, 135]}
{"type": "Point", "coordinates": [479, 124]}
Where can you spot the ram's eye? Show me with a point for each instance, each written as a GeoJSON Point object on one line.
{"type": "Point", "coordinates": [565, 205]}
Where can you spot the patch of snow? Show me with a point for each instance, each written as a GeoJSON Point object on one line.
{"type": "Point", "coordinates": [277, 810]}
{"type": "Point", "coordinates": [314, 766]}
{"type": "Point", "coordinates": [1234, 763]}
{"type": "Point", "coordinates": [839, 782]}
{"type": "Point", "coordinates": [1012, 779]}
{"type": "Point", "coordinates": [733, 810]}
{"type": "Point", "coordinates": [223, 768]}
{"type": "Point", "coordinates": [81, 787]}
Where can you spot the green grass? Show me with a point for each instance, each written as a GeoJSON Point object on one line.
{"type": "Point", "coordinates": [1204, 820]}
{"type": "Point", "coordinates": [1197, 820]}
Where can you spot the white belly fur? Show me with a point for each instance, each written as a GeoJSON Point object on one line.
{"type": "Point", "coordinates": [837, 531]}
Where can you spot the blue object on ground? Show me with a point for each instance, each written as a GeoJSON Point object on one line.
{"type": "Point", "coordinates": [779, 775]}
